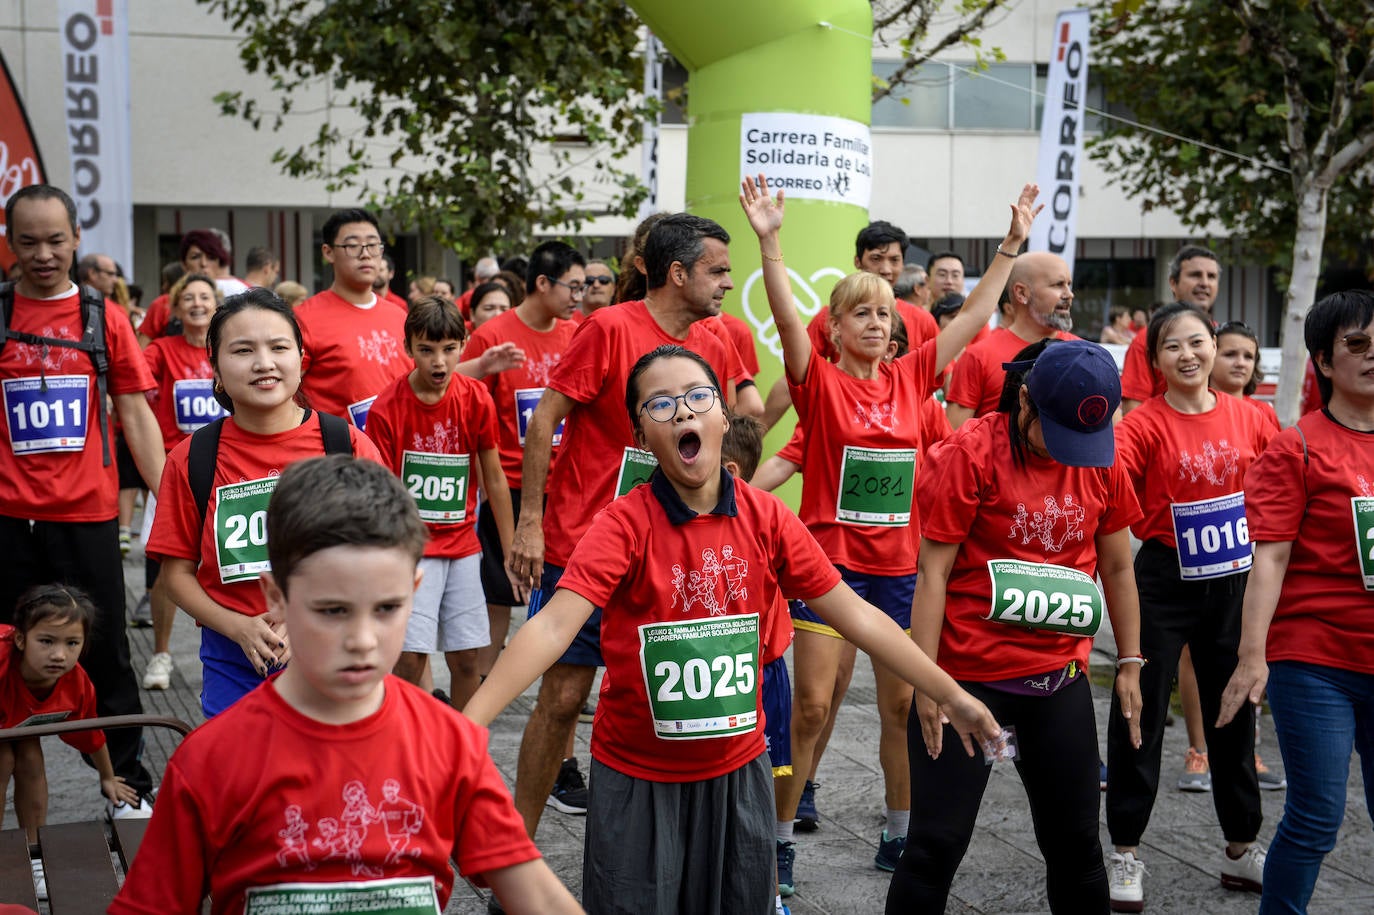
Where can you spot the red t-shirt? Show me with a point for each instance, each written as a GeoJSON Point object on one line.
{"type": "Point", "coordinates": [935, 428]}
{"type": "Point", "coordinates": [1325, 612]}
{"type": "Point", "coordinates": [1266, 409]}
{"type": "Point", "coordinates": [245, 459]}
{"type": "Point", "coordinates": [185, 399]}
{"type": "Point", "coordinates": [973, 493]}
{"type": "Point", "coordinates": [687, 606]}
{"type": "Point", "coordinates": [742, 336]}
{"type": "Point", "coordinates": [862, 457]}
{"type": "Point", "coordinates": [389, 798]}
{"type": "Point", "coordinates": [1175, 458]}
{"type": "Point", "coordinates": [978, 376]}
{"type": "Point", "coordinates": [72, 698]}
{"type": "Point", "coordinates": [396, 300]}
{"type": "Point", "coordinates": [420, 443]}
{"type": "Point", "coordinates": [516, 391]}
{"type": "Point", "coordinates": [352, 352]}
{"type": "Point", "coordinates": [51, 466]}
{"type": "Point", "coordinates": [597, 432]}
{"type": "Point", "coordinates": [156, 318]}
{"type": "Point", "coordinates": [1139, 380]}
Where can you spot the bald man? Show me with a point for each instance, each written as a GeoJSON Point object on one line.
{"type": "Point", "coordinates": [1040, 291]}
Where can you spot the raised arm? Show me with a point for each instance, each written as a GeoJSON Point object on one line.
{"type": "Point", "coordinates": [982, 301]}
{"type": "Point", "coordinates": [765, 216]}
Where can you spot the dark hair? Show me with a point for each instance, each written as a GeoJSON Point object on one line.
{"type": "Point", "coordinates": [57, 602]}
{"type": "Point", "coordinates": [1239, 329]}
{"type": "Point", "coordinates": [941, 255]}
{"type": "Point", "coordinates": [338, 500]}
{"type": "Point", "coordinates": [41, 192]}
{"type": "Point", "coordinates": [743, 444]}
{"type": "Point", "coordinates": [171, 273]}
{"type": "Point", "coordinates": [1187, 253]}
{"type": "Point", "coordinates": [434, 318]}
{"type": "Point", "coordinates": [877, 235]}
{"type": "Point", "coordinates": [517, 264]}
{"type": "Point", "coordinates": [666, 351]}
{"type": "Point", "coordinates": [258, 258]}
{"type": "Point", "coordinates": [340, 218]}
{"type": "Point", "coordinates": [88, 263]}
{"type": "Point", "coordinates": [1333, 314]}
{"type": "Point", "coordinates": [257, 297]}
{"type": "Point", "coordinates": [950, 303]}
{"type": "Point", "coordinates": [1009, 403]}
{"type": "Point", "coordinates": [679, 238]}
{"type": "Point", "coordinates": [489, 287]}
{"type": "Point", "coordinates": [632, 285]}
{"type": "Point", "coordinates": [898, 336]}
{"type": "Point", "coordinates": [551, 259]}
{"type": "Point", "coordinates": [1167, 317]}
{"type": "Point", "coordinates": [206, 240]}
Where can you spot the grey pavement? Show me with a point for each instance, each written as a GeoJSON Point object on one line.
{"type": "Point", "coordinates": [1003, 872]}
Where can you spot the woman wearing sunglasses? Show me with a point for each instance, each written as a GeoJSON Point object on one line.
{"type": "Point", "coordinates": [1308, 630]}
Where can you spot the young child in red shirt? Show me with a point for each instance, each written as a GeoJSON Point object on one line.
{"type": "Point", "coordinates": [40, 683]}
{"type": "Point", "coordinates": [432, 426]}
{"type": "Point", "coordinates": [365, 787]}
{"type": "Point", "coordinates": [688, 571]}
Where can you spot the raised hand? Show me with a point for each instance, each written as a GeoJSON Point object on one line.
{"type": "Point", "coordinates": [1023, 213]}
{"type": "Point", "coordinates": [765, 215]}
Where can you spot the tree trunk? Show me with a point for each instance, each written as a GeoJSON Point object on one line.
{"type": "Point", "coordinates": [1302, 292]}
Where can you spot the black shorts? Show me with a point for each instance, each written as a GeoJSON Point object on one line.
{"type": "Point", "coordinates": [494, 582]}
{"type": "Point", "coordinates": [129, 477]}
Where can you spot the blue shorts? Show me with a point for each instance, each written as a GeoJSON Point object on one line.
{"type": "Point", "coordinates": [891, 594]}
{"type": "Point", "coordinates": [777, 716]}
{"type": "Point", "coordinates": [585, 649]}
{"type": "Point", "coordinates": [226, 675]}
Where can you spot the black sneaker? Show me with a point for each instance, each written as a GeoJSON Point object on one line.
{"type": "Point", "coordinates": [442, 697]}
{"type": "Point", "coordinates": [569, 793]}
{"type": "Point", "coordinates": [808, 819]}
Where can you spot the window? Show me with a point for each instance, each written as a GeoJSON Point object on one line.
{"type": "Point", "coordinates": [997, 98]}
{"type": "Point", "coordinates": [921, 102]}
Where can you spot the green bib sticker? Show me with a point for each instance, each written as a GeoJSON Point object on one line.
{"type": "Point", "coordinates": [1362, 507]}
{"type": "Point", "coordinates": [635, 467]}
{"type": "Point", "coordinates": [702, 676]}
{"type": "Point", "coordinates": [397, 896]}
{"type": "Point", "coordinates": [439, 484]}
{"type": "Point", "coordinates": [1038, 595]}
{"type": "Point", "coordinates": [876, 486]}
{"type": "Point", "coordinates": [241, 529]}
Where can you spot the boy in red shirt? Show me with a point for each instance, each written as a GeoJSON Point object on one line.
{"type": "Point", "coordinates": [429, 425]}
{"type": "Point", "coordinates": [365, 786]}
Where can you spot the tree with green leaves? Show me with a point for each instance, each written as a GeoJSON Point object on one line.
{"type": "Point", "coordinates": [924, 28]}
{"type": "Point", "coordinates": [1263, 117]}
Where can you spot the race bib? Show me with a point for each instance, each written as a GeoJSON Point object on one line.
{"type": "Point", "coordinates": [635, 467]}
{"type": "Point", "coordinates": [876, 486]}
{"type": "Point", "coordinates": [34, 721]}
{"type": "Point", "coordinates": [702, 676]}
{"type": "Point", "coordinates": [397, 896]}
{"type": "Point", "coordinates": [1039, 595]}
{"type": "Point", "coordinates": [526, 399]}
{"type": "Point", "coordinates": [358, 412]}
{"type": "Point", "coordinates": [1362, 507]}
{"type": "Point", "coordinates": [43, 421]}
{"type": "Point", "coordinates": [439, 484]}
{"type": "Point", "coordinates": [1212, 536]}
{"type": "Point", "coordinates": [194, 403]}
{"type": "Point", "coordinates": [241, 529]}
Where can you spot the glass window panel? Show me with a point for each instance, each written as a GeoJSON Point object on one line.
{"type": "Point", "coordinates": [921, 102]}
{"type": "Point", "coordinates": [996, 98]}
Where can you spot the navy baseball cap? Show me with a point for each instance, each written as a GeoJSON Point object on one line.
{"type": "Point", "coordinates": [1076, 387]}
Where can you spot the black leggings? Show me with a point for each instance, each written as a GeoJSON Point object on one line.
{"type": "Point", "coordinates": [1057, 738]}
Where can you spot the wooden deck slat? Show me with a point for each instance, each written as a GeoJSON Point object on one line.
{"type": "Point", "coordinates": [128, 837]}
{"type": "Point", "coordinates": [16, 877]}
{"type": "Point", "coordinates": [81, 877]}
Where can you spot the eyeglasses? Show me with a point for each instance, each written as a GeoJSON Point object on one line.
{"type": "Point", "coordinates": [357, 249]}
{"type": "Point", "coordinates": [603, 280]}
{"type": "Point", "coordinates": [663, 408]}
{"type": "Point", "coordinates": [577, 289]}
{"type": "Point", "coordinates": [1357, 343]}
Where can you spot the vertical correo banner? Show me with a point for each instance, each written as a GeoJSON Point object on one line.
{"type": "Point", "coordinates": [781, 87]}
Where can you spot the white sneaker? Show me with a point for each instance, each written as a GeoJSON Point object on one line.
{"type": "Point", "coordinates": [159, 672]}
{"type": "Point", "coordinates": [1245, 872]}
{"type": "Point", "coordinates": [40, 880]}
{"type": "Point", "coordinates": [1126, 882]}
{"type": "Point", "coordinates": [122, 811]}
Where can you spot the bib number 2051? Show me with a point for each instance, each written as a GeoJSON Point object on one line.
{"type": "Point", "coordinates": [1039, 595]}
{"type": "Point", "coordinates": [439, 485]}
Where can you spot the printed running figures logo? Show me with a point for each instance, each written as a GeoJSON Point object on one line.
{"type": "Point", "coordinates": [381, 347]}
{"type": "Point", "coordinates": [876, 415]}
{"type": "Point", "coordinates": [540, 370]}
{"type": "Point", "coordinates": [55, 357]}
{"type": "Point", "coordinates": [443, 439]}
{"type": "Point", "coordinates": [715, 584]}
{"type": "Point", "coordinates": [342, 837]}
{"type": "Point", "coordinates": [1216, 464]}
{"type": "Point", "coordinates": [1054, 527]}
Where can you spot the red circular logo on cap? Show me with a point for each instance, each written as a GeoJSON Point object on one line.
{"type": "Point", "coordinates": [1092, 410]}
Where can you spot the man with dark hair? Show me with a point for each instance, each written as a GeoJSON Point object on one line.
{"type": "Point", "coordinates": [58, 490]}
{"type": "Point", "coordinates": [354, 341]}
{"type": "Point", "coordinates": [688, 267]}
{"type": "Point", "coordinates": [880, 247]}
{"type": "Point", "coordinates": [262, 267]}
{"type": "Point", "coordinates": [555, 264]}
{"type": "Point", "coordinates": [381, 283]}
{"type": "Point", "coordinates": [945, 270]}
{"type": "Point", "coordinates": [1194, 279]}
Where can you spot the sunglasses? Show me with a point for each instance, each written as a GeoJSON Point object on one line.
{"type": "Point", "coordinates": [1357, 343]}
{"type": "Point", "coordinates": [603, 280]}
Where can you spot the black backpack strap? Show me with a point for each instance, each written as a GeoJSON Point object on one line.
{"type": "Point", "coordinates": [334, 432]}
{"type": "Point", "coordinates": [200, 464]}
{"type": "Point", "coordinates": [93, 336]}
